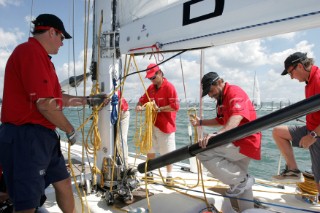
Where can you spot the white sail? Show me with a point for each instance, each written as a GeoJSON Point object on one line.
{"type": "Point", "coordinates": [256, 98]}
{"type": "Point", "coordinates": [198, 24]}
{"type": "Point", "coordinates": [131, 10]}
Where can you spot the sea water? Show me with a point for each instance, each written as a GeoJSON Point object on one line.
{"type": "Point", "coordinates": [264, 168]}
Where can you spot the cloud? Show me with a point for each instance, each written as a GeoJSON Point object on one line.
{"type": "Point", "coordinates": [69, 69]}
{"type": "Point", "coordinates": [10, 39]}
{"type": "Point", "coordinates": [287, 36]}
{"type": "Point", "coordinates": [4, 3]}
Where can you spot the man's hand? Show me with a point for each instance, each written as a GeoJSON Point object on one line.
{"type": "Point", "coordinates": [204, 141]}
{"type": "Point", "coordinates": [97, 100]}
{"type": "Point", "coordinates": [306, 141]}
{"type": "Point", "coordinates": [72, 137]}
{"type": "Point", "coordinates": [195, 120]}
{"type": "Point", "coordinates": [139, 108]}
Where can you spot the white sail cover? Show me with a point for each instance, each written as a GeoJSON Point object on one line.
{"type": "Point", "coordinates": [177, 25]}
{"type": "Point", "coordinates": [130, 10]}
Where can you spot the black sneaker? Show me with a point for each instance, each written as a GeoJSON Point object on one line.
{"type": "Point", "coordinates": [148, 177]}
{"type": "Point", "coordinates": [289, 176]}
{"type": "Point", "coordinates": [169, 181]}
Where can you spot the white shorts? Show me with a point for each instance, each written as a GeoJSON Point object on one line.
{"type": "Point", "coordinates": [162, 142]}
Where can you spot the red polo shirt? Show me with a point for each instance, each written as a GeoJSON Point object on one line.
{"type": "Point", "coordinates": [311, 89]}
{"type": "Point", "coordinates": [236, 102]}
{"type": "Point", "coordinates": [29, 75]}
{"type": "Point", "coordinates": [165, 95]}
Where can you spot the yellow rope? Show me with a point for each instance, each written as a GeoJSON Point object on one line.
{"type": "Point", "coordinates": [146, 185]}
{"type": "Point", "coordinates": [150, 116]}
{"type": "Point", "coordinates": [192, 113]}
{"type": "Point", "coordinates": [74, 177]}
{"type": "Point", "coordinates": [308, 186]}
{"type": "Point", "coordinates": [69, 149]}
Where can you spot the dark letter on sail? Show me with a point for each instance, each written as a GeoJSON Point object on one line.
{"type": "Point", "coordinates": [186, 12]}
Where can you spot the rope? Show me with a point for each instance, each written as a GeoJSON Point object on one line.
{"type": "Point", "coordinates": [308, 186]}
{"type": "Point", "coordinates": [309, 189]}
{"type": "Point", "coordinates": [114, 114]}
{"type": "Point", "coordinates": [145, 144]}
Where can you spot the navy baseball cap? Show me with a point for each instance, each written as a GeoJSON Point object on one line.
{"type": "Point", "coordinates": [43, 21]}
{"type": "Point", "coordinates": [292, 60]}
{"type": "Point", "coordinates": [207, 81]}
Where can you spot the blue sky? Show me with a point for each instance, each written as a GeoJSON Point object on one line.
{"type": "Point", "coordinates": [236, 63]}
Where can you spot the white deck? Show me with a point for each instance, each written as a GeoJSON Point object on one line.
{"type": "Point", "coordinates": [186, 198]}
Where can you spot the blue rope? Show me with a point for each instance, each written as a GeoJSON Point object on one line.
{"type": "Point", "coordinates": [114, 113]}
{"type": "Point", "coordinates": [114, 103]}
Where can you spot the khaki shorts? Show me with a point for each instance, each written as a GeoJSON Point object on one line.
{"type": "Point", "coordinates": [162, 142]}
{"type": "Point", "coordinates": [297, 132]}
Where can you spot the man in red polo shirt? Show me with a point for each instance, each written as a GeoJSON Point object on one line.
{"type": "Point", "coordinates": [32, 104]}
{"type": "Point", "coordinates": [164, 94]}
{"type": "Point", "coordinates": [302, 68]}
{"type": "Point", "coordinates": [229, 163]}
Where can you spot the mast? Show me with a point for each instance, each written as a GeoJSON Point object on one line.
{"type": "Point", "coordinates": [106, 64]}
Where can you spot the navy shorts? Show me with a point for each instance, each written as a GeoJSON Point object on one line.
{"type": "Point", "coordinates": [297, 132]}
{"type": "Point", "coordinates": [31, 159]}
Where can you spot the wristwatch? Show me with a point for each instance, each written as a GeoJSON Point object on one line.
{"type": "Point", "coordinates": [314, 134]}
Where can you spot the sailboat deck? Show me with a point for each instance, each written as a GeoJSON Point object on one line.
{"type": "Point", "coordinates": [185, 196]}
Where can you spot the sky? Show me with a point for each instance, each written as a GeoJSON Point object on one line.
{"type": "Point", "coordinates": [236, 63]}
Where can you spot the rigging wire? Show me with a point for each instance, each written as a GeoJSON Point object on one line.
{"type": "Point", "coordinates": [157, 64]}
{"type": "Point", "coordinates": [31, 13]}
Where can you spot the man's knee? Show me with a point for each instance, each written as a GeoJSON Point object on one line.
{"type": "Point", "coordinates": [280, 132]}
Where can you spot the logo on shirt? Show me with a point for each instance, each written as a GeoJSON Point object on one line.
{"type": "Point", "coordinates": [237, 106]}
{"type": "Point", "coordinates": [42, 172]}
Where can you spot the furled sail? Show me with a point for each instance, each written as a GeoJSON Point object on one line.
{"type": "Point", "coordinates": [198, 24]}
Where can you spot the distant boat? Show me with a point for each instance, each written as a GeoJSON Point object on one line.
{"type": "Point", "coordinates": [256, 98]}
{"type": "Point", "coordinates": [270, 108]}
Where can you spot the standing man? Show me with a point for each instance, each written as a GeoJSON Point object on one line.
{"type": "Point", "coordinates": [229, 163]}
{"type": "Point", "coordinates": [32, 104]}
{"type": "Point", "coordinates": [124, 127]}
{"type": "Point", "coordinates": [302, 68]}
{"type": "Point", "coordinates": [164, 94]}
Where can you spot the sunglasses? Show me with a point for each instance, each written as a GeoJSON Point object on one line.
{"type": "Point", "coordinates": [153, 77]}
{"type": "Point", "coordinates": [58, 32]}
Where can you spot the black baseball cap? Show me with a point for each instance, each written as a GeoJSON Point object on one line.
{"type": "Point", "coordinates": [49, 20]}
{"type": "Point", "coordinates": [293, 59]}
{"type": "Point", "coordinates": [207, 81]}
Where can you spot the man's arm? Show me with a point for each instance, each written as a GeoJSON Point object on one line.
{"type": "Point", "coordinates": [233, 122]}
{"type": "Point", "coordinates": [49, 108]}
{"type": "Point", "coordinates": [93, 100]}
{"type": "Point", "coordinates": [206, 122]}
{"type": "Point", "coordinates": [70, 100]}
{"type": "Point", "coordinates": [167, 108]}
